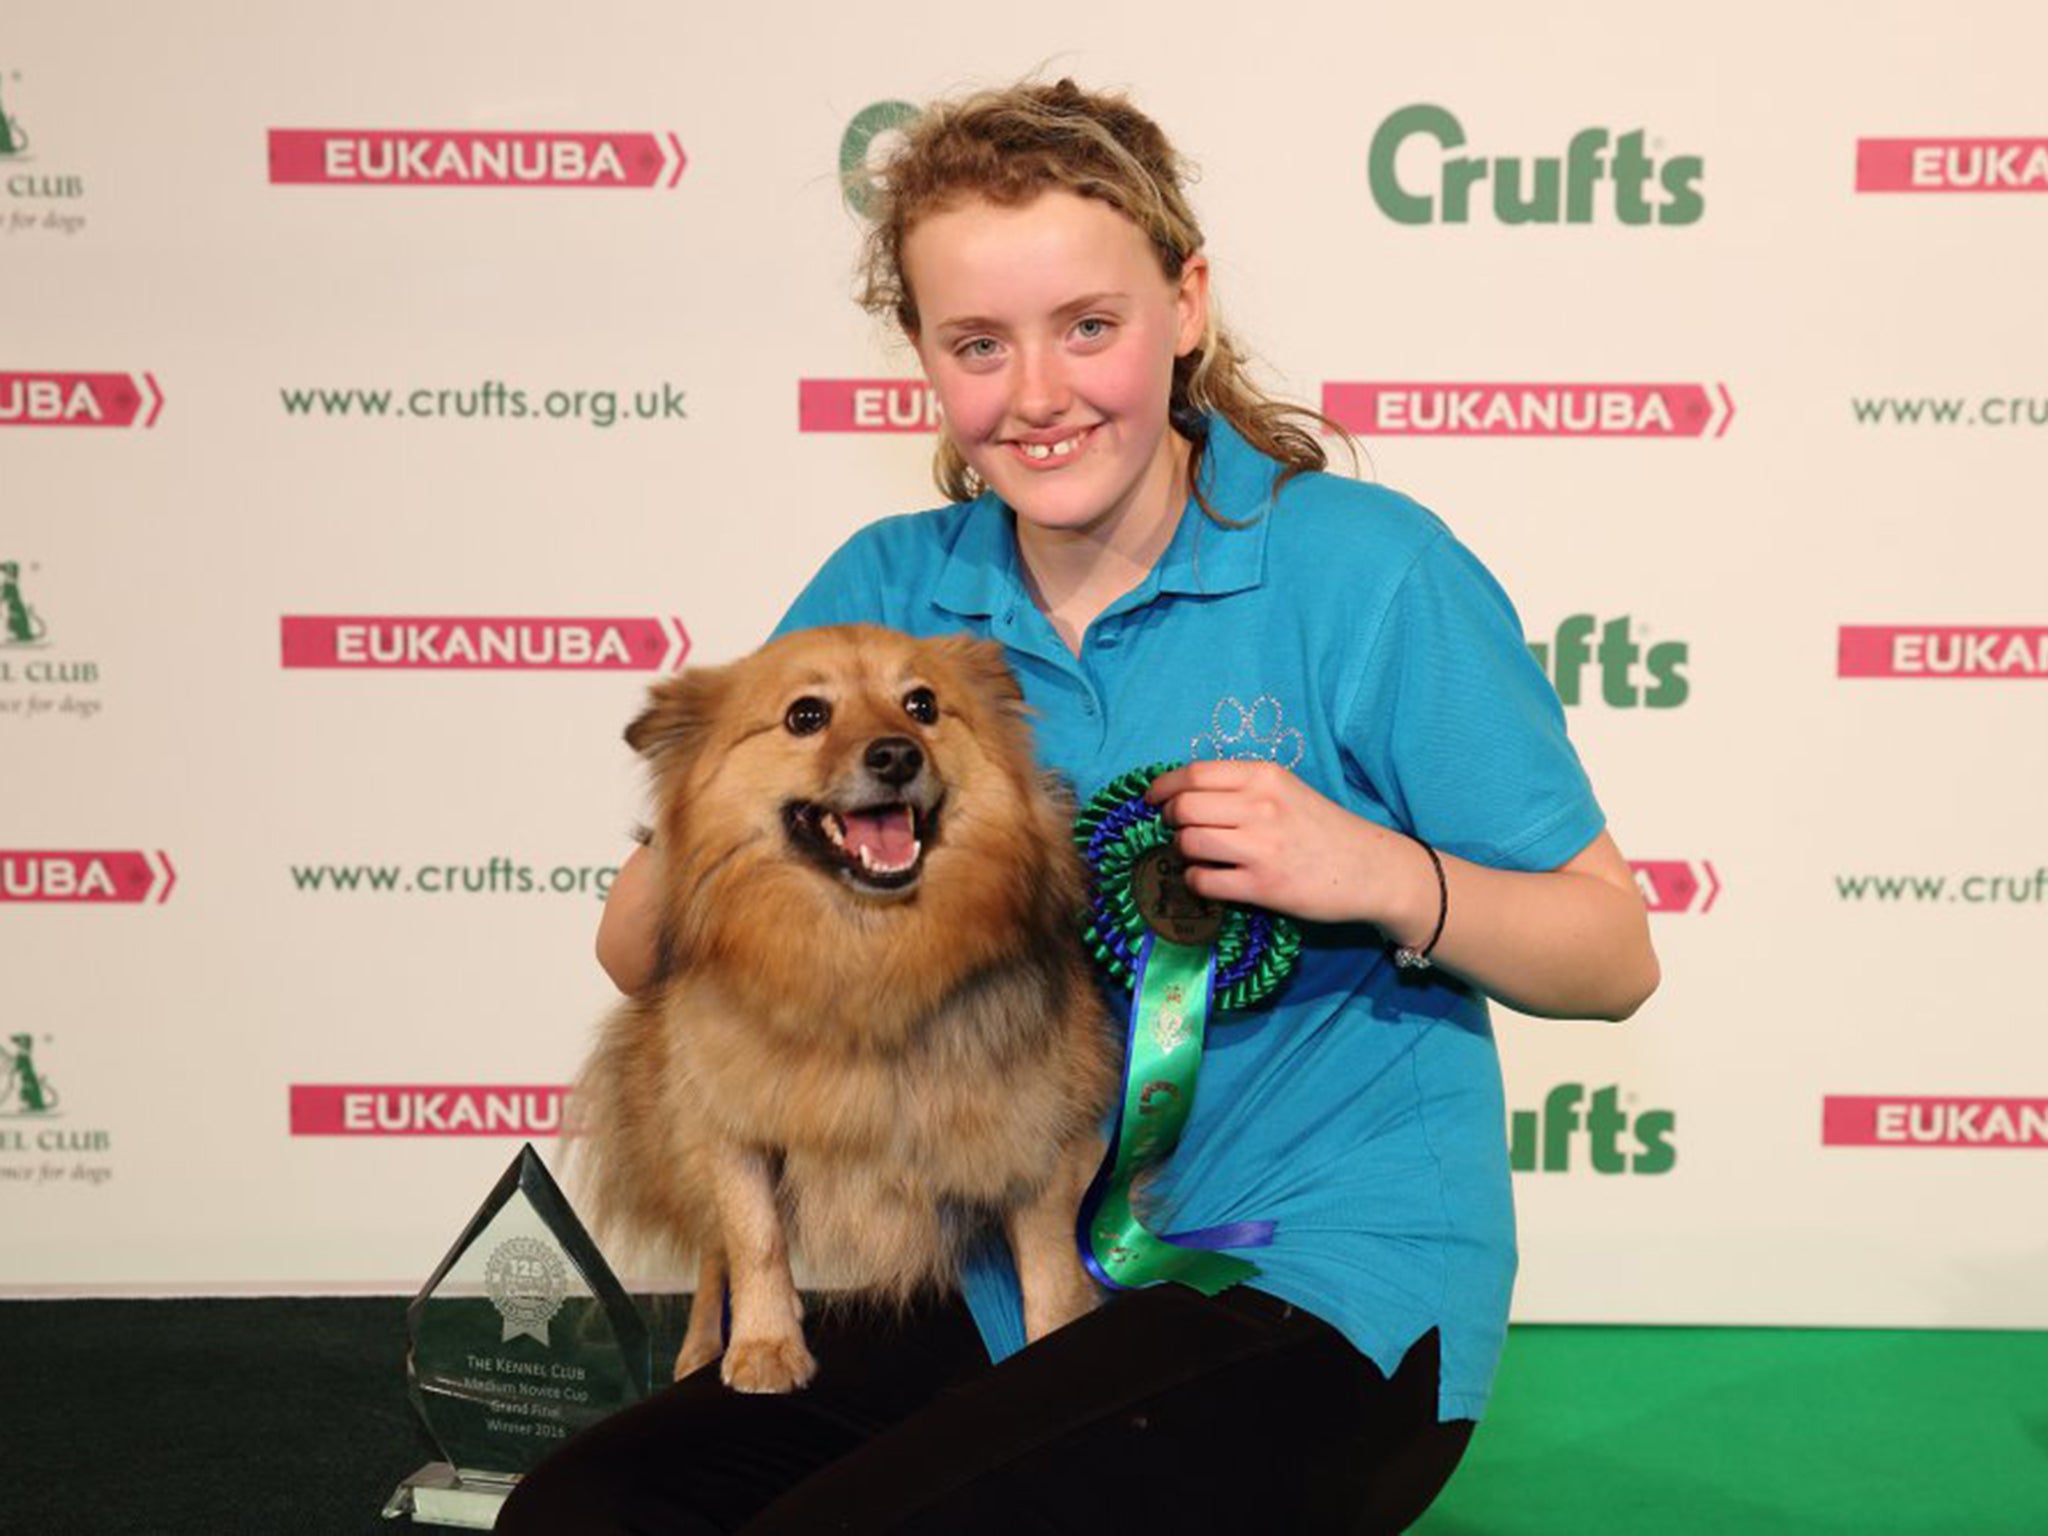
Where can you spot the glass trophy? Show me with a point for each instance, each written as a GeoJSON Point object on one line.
{"type": "Point", "coordinates": [521, 1338]}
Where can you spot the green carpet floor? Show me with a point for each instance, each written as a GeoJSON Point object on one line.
{"type": "Point", "coordinates": [289, 1418]}
{"type": "Point", "coordinates": [1682, 1430]}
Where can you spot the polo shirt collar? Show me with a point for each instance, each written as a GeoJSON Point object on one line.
{"type": "Point", "coordinates": [982, 575]}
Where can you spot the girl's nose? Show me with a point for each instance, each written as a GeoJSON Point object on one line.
{"type": "Point", "coordinates": [1042, 394]}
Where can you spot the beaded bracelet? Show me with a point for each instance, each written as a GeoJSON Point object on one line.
{"type": "Point", "coordinates": [1409, 959]}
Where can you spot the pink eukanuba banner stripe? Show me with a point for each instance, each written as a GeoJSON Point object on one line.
{"type": "Point", "coordinates": [1942, 650]}
{"type": "Point", "coordinates": [865, 405]}
{"type": "Point", "coordinates": [423, 1109]}
{"type": "Point", "coordinates": [1439, 408]}
{"type": "Point", "coordinates": [469, 642]}
{"type": "Point", "coordinates": [58, 399]}
{"type": "Point", "coordinates": [83, 875]}
{"type": "Point", "coordinates": [1922, 165]}
{"type": "Point", "coordinates": [1851, 1120]}
{"type": "Point", "coordinates": [480, 158]}
{"type": "Point", "coordinates": [1674, 884]}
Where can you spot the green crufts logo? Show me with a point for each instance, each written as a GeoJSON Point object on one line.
{"type": "Point", "coordinates": [1616, 1141]}
{"type": "Point", "coordinates": [1630, 673]}
{"type": "Point", "coordinates": [855, 145]}
{"type": "Point", "coordinates": [1549, 189]}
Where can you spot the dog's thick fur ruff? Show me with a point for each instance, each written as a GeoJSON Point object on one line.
{"type": "Point", "coordinates": [869, 1063]}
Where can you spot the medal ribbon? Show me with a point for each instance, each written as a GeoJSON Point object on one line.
{"type": "Point", "coordinates": [1163, 1049]}
{"type": "Point", "coordinates": [1175, 988]}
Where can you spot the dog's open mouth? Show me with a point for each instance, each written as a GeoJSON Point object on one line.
{"type": "Point", "coordinates": [877, 848]}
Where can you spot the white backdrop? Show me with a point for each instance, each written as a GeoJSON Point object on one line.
{"type": "Point", "coordinates": [228, 1068]}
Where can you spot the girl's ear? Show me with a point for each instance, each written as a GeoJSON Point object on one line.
{"type": "Point", "coordinates": [1191, 305]}
{"type": "Point", "coordinates": [679, 716]}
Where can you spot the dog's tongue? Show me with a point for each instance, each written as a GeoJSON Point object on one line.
{"type": "Point", "coordinates": [886, 834]}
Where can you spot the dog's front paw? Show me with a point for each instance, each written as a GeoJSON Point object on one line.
{"type": "Point", "coordinates": [776, 1363]}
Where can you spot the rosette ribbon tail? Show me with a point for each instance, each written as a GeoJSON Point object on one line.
{"type": "Point", "coordinates": [1172, 995]}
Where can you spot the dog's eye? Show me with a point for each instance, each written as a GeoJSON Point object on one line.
{"type": "Point", "coordinates": [922, 705]}
{"type": "Point", "coordinates": [807, 716]}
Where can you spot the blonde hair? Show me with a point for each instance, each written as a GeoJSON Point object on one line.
{"type": "Point", "coordinates": [1010, 145]}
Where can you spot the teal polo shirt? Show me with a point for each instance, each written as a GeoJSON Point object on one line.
{"type": "Point", "coordinates": [1344, 634]}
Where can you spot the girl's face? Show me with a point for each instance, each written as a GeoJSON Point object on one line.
{"type": "Point", "coordinates": [1049, 333]}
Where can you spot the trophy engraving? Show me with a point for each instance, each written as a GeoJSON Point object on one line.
{"type": "Point", "coordinates": [522, 1337]}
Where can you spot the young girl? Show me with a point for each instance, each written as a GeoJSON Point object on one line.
{"type": "Point", "coordinates": [1368, 749]}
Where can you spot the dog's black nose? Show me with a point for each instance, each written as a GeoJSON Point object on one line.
{"type": "Point", "coordinates": [894, 759]}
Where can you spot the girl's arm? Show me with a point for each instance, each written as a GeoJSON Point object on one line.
{"type": "Point", "coordinates": [625, 934]}
{"type": "Point", "coordinates": [1572, 942]}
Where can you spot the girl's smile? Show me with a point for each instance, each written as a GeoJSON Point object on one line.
{"type": "Point", "coordinates": [1051, 453]}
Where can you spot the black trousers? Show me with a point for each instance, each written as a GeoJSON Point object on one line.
{"type": "Point", "coordinates": [1189, 1414]}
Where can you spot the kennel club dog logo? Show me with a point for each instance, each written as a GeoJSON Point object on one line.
{"type": "Point", "coordinates": [41, 198]}
{"type": "Point", "coordinates": [33, 1145]}
{"type": "Point", "coordinates": [13, 140]}
{"type": "Point", "coordinates": [36, 682]}
{"type": "Point", "coordinates": [24, 1091]}
{"type": "Point", "coordinates": [20, 625]}
{"type": "Point", "coordinates": [432, 157]}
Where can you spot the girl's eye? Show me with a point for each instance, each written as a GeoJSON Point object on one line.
{"type": "Point", "coordinates": [922, 705]}
{"type": "Point", "coordinates": [980, 349]}
{"type": "Point", "coordinates": [1094, 328]}
{"type": "Point", "coordinates": [807, 716]}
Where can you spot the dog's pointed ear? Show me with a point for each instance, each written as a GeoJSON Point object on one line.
{"type": "Point", "coordinates": [679, 714]}
{"type": "Point", "coordinates": [980, 663]}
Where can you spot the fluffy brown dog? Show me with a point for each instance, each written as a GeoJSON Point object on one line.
{"type": "Point", "coordinates": [872, 1028]}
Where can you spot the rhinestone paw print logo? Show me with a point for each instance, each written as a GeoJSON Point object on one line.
{"type": "Point", "coordinates": [1255, 732]}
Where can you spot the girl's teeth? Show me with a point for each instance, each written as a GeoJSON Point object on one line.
{"type": "Point", "coordinates": [1058, 450]}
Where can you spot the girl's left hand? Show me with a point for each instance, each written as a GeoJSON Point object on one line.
{"type": "Point", "coordinates": [1260, 837]}
{"type": "Point", "coordinates": [1568, 943]}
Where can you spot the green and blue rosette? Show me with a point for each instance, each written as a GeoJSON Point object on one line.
{"type": "Point", "coordinates": [1183, 959]}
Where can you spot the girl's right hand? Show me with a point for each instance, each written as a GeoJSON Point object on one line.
{"type": "Point", "coordinates": [625, 934]}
